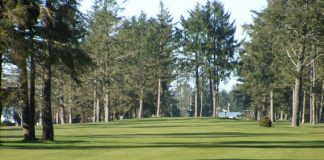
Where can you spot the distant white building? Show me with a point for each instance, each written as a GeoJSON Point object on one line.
{"type": "Point", "coordinates": [231, 115]}
{"type": "Point", "coordinates": [7, 118]}
{"type": "Point", "coordinates": [8, 115]}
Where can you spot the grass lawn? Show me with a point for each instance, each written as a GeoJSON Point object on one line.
{"type": "Point", "coordinates": [168, 139]}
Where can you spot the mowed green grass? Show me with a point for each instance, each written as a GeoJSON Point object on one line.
{"type": "Point", "coordinates": [168, 139]}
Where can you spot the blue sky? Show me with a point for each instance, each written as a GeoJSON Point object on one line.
{"type": "Point", "coordinates": [239, 9]}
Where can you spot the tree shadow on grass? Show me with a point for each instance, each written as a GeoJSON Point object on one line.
{"type": "Point", "coordinates": [249, 144]}
{"type": "Point", "coordinates": [96, 138]}
{"type": "Point", "coordinates": [141, 126]}
{"type": "Point", "coordinates": [156, 122]}
{"type": "Point", "coordinates": [184, 135]}
{"type": "Point", "coordinates": [72, 145]}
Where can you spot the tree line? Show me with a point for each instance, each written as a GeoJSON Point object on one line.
{"type": "Point", "coordinates": [282, 64]}
{"type": "Point", "coordinates": [74, 67]}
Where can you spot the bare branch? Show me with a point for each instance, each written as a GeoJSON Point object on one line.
{"type": "Point", "coordinates": [291, 58]}
{"type": "Point", "coordinates": [314, 59]}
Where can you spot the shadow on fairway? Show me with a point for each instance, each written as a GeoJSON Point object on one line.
{"type": "Point", "coordinates": [184, 135]}
{"type": "Point", "coordinates": [40, 143]}
{"type": "Point", "coordinates": [69, 145]}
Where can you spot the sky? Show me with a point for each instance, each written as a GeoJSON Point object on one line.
{"type": "Point", "coordinates": [240, 11]}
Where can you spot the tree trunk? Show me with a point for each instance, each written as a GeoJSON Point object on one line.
{"type": "Point", "coordinates": [70, 106]}
{"type": "Point", "coordinates": [310, 106]}
{"type": "Point", "coordinates": [264, 106]}
{"type": "Point", "coordinates": [62, 115]}
{"type": "Point", "coordinates": [70, 115]}
{"type": "Point", "coordinates": [61, 100]}
{"type": "Point", "coordinates": [254, 113]}
{"type": "Point", "coordinates": [214, 103]}
{"type": "Point", "coordinates": [197, 84]}
{"type": "Point", "coordinates": [32, 107]}
{"type": "Point", "coordinates": [196, 103]}
{"type": "Point", "coordinates": [107, 110]}
{"type": "Point", "coordinates": [82, 116]}
{"type": "Point", "coordinates": [321, 104]}
{"type": "Point", "coordinates": [94, 106]}
{"type": "Point", "coordinates": [211, 91]}
{"type": "Point", "coordinates": [201, 103]}
{"type": "Point", "coordinates": [212, 97]}
{"type": "Point", "coordinates": [259, 114]}
{"type": "Point", "coordinates": [304, 107]}
{"type": "Point", "coordinates": [41, 116]}
{"type": "Point", "coordinates": [313, 94]}
{"type": "Point", "coordinates": [48, 132]}
{"type": "Point", "coordinates": [216, 97]}
{"type": "Point", "coordinates": [23, 100]}
{"type": "Point", "coordinates": [286, 116]}
{"type": "Point", "coordinates": [98, 110]}
{"type": "Point", "coordinates": [281, 115]}
{"type": "Point", "coordinates": [140, 110]}
{"type": "Point", "coordinates": [297, 103]}
{"type": "Point", "coordinates": [158, 99]}
{"type": "Point", "coordinates": [57, 116]}
{"type": "Point", "coordinates": [271, 106]}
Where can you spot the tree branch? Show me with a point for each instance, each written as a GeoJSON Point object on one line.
{"type": "Point", "coordinates": [291, 58]}
{"type": "Point", "coordinates": [314, 59]}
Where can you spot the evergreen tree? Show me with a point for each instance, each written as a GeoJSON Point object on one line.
{"type": "Point", "coordinates": [100, 43]}
{"type": "Point", "coordinates": [23, 16]}
{"type": "Point", "coordinates": [220, 46]}
{"type": "Point", "coordinates": [209, 45]}
{"type": "Point", "coordinates": [164, 44]}
{"type": "Point", "coordinates": [57, 18]}
{"type": "Point", "coordinates": [193, 38]}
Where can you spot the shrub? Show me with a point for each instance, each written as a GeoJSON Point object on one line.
{"type": "Point", "coordinates": [265, 122]}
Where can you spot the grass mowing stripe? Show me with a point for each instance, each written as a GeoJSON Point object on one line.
{"type": "Point", "coordinates": [168, 138]}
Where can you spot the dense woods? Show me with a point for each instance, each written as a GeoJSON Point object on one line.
{"type": "Point", "coordinates": [59, 65]}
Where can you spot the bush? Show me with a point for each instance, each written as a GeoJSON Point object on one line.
{"type": "Point", "coordinates": [265, 122]}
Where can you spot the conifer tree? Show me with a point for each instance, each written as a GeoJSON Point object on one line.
{"type": "Point", "coordinates": [209, 46]}
{"type": "Point", "coordinates": [22, 17]}
{"type": "Point", "coordinates": [220, 46]}
{"type": "Point", "coordinates": [193, 38]}
{"type": "Point", "coordinates": [164, 45]}
{"type": "Point", "coordinates": [58, 18]}
{"type": "Point", "coordinates": [101, 43]}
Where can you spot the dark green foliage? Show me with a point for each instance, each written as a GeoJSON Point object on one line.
{"type": "Point", "coordinates": [18, 20]}
{"type": "Point", "coordinates": [31, 36]}
{"type": "Point", "coordinates": [209, 46]}
{"type": "Point", "coordinates": [265, 122]}
{"type": "Point", "coordinates": [280, 56]}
